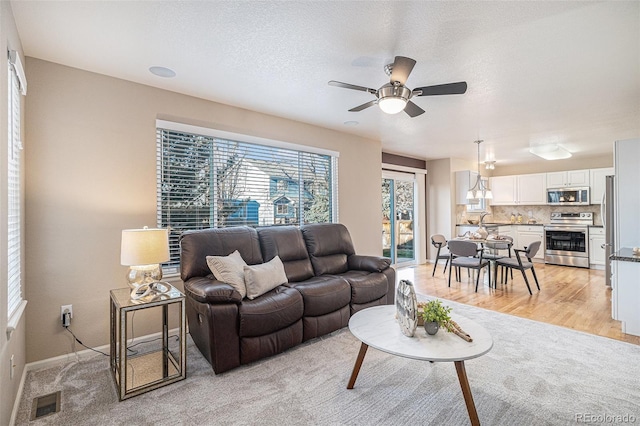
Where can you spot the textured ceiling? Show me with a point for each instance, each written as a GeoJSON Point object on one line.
{"type": "Point", "coordinates": [537, 72]}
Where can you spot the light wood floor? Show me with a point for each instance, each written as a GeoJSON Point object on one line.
{"type": "Point", "coordinates": [576, 298]}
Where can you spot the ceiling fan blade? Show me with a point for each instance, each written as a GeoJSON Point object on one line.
{"type": "Point", "coordinates": [441, 89]}
{"type": "Point", "coordinates": [364, 106]}
{"type": "Point", "coordinates": [413, 110]}
{"type": "Point", "coordinates": [352, 86]}
{"type": "Point", "coordinates": [402, 67]}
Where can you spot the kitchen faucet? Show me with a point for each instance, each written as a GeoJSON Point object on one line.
{"type": "Point", "coordinates": [482, 215]}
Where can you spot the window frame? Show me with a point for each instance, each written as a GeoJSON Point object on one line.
{"type": "Point", "coordinates": [16, 88]}
{"type": "Point", "coordinates": [172, 267]}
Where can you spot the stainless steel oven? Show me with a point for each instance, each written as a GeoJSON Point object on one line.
{"type": "Point", "coordinates": [567, 239]}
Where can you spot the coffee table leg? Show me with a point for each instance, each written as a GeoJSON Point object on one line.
{"type": "Point", "coordinates": [358, 364]}
{"type": "Point", "coordinates": [466, 392]}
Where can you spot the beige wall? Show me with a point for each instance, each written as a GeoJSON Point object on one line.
{"type": "Point", "coordinates": [91, 158]}
{"type": "Point", "coordinates": [16, 344]}
{"type": "Point", "coordinates": [439, 202]}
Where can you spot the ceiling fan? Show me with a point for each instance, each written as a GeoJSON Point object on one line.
{"type": "Point", "coordinates": [394, 96]}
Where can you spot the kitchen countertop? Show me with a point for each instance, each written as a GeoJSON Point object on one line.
{"type": "Point", "coordinates": [625, 254]}
{"type": "Point", "coordinates": [501, 224]}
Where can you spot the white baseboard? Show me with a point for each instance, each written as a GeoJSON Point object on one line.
{"type": "Point", "coordinates": [82, 355]}
{"type": "Point", "coordinates": [16, 403]}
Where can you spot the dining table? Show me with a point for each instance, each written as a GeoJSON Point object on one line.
{"type": "Point", "coordinates": [484, 243]}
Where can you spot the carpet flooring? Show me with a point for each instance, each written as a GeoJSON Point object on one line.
{"type": "Point", "coordinates": [536, 374]}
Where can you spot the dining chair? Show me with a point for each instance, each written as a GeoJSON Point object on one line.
{"type": "Point", "coordinates": [439, 242]}
{"type": "Point", "coordinates": [522, 266]}
{"type": "Point", "coordinates": [462, 254]}
{"type": "Point", "coordinates": [493, 249]}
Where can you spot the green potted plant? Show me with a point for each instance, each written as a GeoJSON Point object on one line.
{"type": "Point", "coordinates": [435, 315]}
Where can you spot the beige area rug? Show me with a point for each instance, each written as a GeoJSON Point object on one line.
{"type": "Point", "coordinates": [536, 374]}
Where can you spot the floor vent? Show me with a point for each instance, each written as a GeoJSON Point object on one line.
{"type": "Point", "coordinates": [45, 405]}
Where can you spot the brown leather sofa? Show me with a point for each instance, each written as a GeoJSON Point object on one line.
{"type": "Point", "coordinates": [328, 283]}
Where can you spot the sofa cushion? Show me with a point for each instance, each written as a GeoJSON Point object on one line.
{"type": "Point", "coordinates": [366, 286]}
{"type": "Point", "coordinates": [324, 294]}
{"type": "Point", "coordinates": [230, 270]}
{"type": "Point", "coordinates": [197, 245]}
{"type": "Point", "coordinates": [259, 279]}
{"type": "Point", "coordinates": [286, 242]}
{"type": "Point", "coordinates": [274, 310]}
{"type": "Point", "coordinates": [329, 246]}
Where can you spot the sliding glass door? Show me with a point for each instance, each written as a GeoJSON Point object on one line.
{"type": "Point", "coordinates": [398, 215]}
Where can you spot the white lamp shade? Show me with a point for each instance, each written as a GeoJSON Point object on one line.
{"type": "Point", "coordinates": [144, 246]}
{"type": "Point", "coordinates": [392, 105]}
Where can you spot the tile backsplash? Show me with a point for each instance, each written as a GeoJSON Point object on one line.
{"type": "Point", "coordinates": [541, 214]}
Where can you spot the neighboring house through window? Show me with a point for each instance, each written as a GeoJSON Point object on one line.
{"type": "Point", "coordinates": [213, 179]}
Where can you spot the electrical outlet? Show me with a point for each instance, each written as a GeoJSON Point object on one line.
{"type": "Point", "coordinates": [66, 309]}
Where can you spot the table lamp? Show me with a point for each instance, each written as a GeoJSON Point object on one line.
{"type": "Point", "coordinates": [143, 250]}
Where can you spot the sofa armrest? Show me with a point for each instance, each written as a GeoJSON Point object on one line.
{"type": "Point", "coordinates": [368, 263]}
{"type": "Point", "coordinates": [210, 290]}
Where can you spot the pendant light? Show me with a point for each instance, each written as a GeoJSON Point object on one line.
{"type": "Point", "coordinates": [479, 190]}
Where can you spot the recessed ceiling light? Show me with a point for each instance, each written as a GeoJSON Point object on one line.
{"type": "Point", "coordinates": [162, 72]}
{"type": "Point", "coordinates": [351, 123]}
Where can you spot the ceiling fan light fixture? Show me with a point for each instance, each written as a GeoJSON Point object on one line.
{"type": "Point", "coordinates": [393, 98]}
{"type": "Point", "coordinates": [550, 151]}
{"type": "Point", "coordinates": [392, 105]}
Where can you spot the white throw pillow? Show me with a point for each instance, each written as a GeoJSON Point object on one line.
{"type": "Point", "coordinates": [262, 278]}
{"type": "Point", "coordinates": [228, 269]}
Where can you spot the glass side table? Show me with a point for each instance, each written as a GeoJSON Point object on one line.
{"type": "Point", "coordinates": [154, 362]}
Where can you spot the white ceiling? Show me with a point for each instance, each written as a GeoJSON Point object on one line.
{"type": "Point", "coordinates": [537, 72]}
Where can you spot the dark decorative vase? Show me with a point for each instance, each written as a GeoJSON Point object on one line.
{"type": "Point", "coordinates": [431, 327]}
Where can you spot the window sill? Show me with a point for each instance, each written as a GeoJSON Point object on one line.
{"type": "Point", "coordinates": [15, 319]}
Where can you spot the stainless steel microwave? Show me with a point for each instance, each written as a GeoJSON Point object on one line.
{"type": "Point", "coordinates": [568, 196]}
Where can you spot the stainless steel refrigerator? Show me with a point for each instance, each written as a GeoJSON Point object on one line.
{"type": "Point", "coordinates": [608, 219]}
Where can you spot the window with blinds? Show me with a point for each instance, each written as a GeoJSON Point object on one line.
{"type": "Point", "coordinates": [209, 182]}
{"type": "Point", "coordinates": [14, 225]}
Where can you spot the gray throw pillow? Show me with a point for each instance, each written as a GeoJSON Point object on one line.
{"type": "Point", "coordinates": [262, 278]}
{"type": "Point", "coordinates": [228, 269]}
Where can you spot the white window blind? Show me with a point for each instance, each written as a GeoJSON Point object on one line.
{"type": "Point", "coordinates": [14, 225]}
{"type": "Point", "coordinates": [208, 182]}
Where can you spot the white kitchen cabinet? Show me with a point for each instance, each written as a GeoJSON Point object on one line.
{"type": "Point", "coordinates": [516, 190]}
{"type": "Point", "coordinates": [596, 250]}
{"type": "Point", "coordinates": [465, 179]}
{"type": "Point", "coordinates": [506, 230]}
{"type": "Point", "coordinates": [625, 295]}
{"type": "Point", "coordinates": [503, 189]}
{"type": "Point", "coordinates": [532, 189]}
{"type": "Point", "coordinates": [597, 178]}
{"type": "Point", "coordinates": [568, 178]}
{"type": "Point", "coordinates": [529, 234]}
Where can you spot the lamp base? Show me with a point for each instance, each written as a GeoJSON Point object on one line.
{"type": "Point", "coordinates": [149, 292]}
{"type": "Point", "coordinates": [144, 281]}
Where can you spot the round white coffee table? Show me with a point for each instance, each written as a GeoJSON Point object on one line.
{"type": "Point", "coordinates": [377, 327]}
